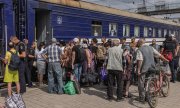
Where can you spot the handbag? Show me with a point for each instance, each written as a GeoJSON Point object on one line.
{"type": "Point", "coordinates": [9, 103]}
{"type": "Point", "coordinates": [15, 101]}
{"type": "Point", "coordinates": [69, 88]}
{"type": "Point", "coordinates": [103, 74]}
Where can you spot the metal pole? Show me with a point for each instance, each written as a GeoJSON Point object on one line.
{"type": "Point", "coordinates": [6, 36]}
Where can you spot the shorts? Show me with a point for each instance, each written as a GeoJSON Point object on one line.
{"type": "Point", "coordinates": [41, 67]}
{"type": "Point", "coordinates": [11, 76]}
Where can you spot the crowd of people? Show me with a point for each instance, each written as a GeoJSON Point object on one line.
{"type": "Point", "coordinates": [125, 63]}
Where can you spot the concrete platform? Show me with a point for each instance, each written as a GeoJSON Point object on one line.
{"type": "Point", "coordinates": [94, 97]}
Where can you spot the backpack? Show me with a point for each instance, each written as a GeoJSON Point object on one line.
{"type": "Point", "coordinates": [101, 53]}
{"type": "Point", "coordinates": [81, 54]}
{"type": "Point", "coordinates": [14, 61]}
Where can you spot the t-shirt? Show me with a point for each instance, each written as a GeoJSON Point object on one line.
{"type": "Point", "coordinates": [93, 49]}
{"type": "Point", "coordinates": [170, 45]}
{"type": "Point", "coordinates": [31, 52]}
{"type": "Point", "coordinates": [76, 50]}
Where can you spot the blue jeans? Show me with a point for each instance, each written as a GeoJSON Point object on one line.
{"type": "Point", "coordinates": [55, 74]}
{"type": "Point", "coordinates": [173, 74]}
{"type": "Point", "coordinates": [77, 71]}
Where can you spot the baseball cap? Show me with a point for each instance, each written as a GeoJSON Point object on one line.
{"type": "Point", "coordinates": [76, 40]}
{"type": "Point", "coordinates": [54, 40]}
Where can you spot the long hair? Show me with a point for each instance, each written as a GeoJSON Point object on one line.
{"type": "Point", "coordinates": [41, 45]}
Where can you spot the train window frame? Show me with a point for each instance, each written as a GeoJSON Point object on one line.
{"type": "Point", "coordinates": [136, 31]}
{"type": "Point", "coordinates": [126, 27]}
{"type": "Point", "coordinates": [165, 32]}
{"type": "Point", "coordinates": [145, 32]}
{"type": "Point", "coordinates": [154, 32]}
{"type": "Point", "coordinates": [96, 28]}
{"type": "Point", "coordinates": [159, 32]}
{"type": "Point", "coordinates": [113, 29]}
{"type": "Point", "coordinates": [170, 31]}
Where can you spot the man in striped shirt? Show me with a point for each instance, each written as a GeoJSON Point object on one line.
{"type": "Point", "coordinates": [54, 67]}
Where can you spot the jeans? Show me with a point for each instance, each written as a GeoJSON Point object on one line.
{"type": "Point", "coordinates": [112, 75]}
{"type": "Point", "coordinates": [173, 74]}
{"type": "Point", "coordinates": [55, 82]}
{"type": "Point", "coordinates": [78, 71]}
{"type": "Point", "coordinates": [141, 89]}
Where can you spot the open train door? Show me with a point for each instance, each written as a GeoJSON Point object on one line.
{"type": "Point", "coordinates": [42, 21]}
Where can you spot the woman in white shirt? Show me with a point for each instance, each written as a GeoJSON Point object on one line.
{"type": "Point", "coordinates": [41, 63]}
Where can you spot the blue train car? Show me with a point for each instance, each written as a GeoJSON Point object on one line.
{"type": "Point", "coordinates": [66, 19]}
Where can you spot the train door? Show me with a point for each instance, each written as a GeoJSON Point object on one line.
{"type": "Point", "coordinates": [42, 21]}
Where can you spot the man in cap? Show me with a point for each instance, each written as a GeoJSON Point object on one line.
{"type": "Point", "coordinates": [77, 58]}
{"type": "Point", "coordinates": [54, 67]}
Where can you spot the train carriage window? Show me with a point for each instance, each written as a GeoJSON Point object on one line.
{"type": "Point", "coordinates": [154, 32]}
{"type": "Point", "coordinates": [145, 31]}
{"type": "Point", "coordinates": [96, 28]}
{"type": "Point", "coordinates": [174, 32]}
{"type": "Point", "coordinates": [126, 30]}
{"type": "Point", "coordinates": [165, 32]}
{"type": "Point", "coordinates": [159, 33]}
{"type": "Point", "coordinates": [113, 29]}
{"type": "Point", "coordinates": [136, 31]}
{"type": "Point", "coordinates": [170, 32]}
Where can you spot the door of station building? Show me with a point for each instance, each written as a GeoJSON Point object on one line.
{"type": "Point", "coordinates": [42, 29]}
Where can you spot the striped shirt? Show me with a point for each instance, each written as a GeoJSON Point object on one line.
{"type": "Point", "coordinates": [53, 52]}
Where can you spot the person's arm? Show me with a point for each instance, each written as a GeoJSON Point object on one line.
{"type": "Point", "coordinates": [88, 57]}
{"type": "Point", "coordinates": [177, 48]}
{"type": "Point", "coordinates": [159, 55]}
{"type": "Point", "coordinates": [44, 52]}
{"type": "Point", "coordinates": [73, 58]}
{"type": "Point", "coordinates": [139, 58]}
{"type": "Point", "coordinates": [6, 58]}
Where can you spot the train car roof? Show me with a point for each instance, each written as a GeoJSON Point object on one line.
{"type": "Point", "coordinates": [105, 9]}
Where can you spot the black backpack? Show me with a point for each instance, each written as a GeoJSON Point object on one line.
{"type": "Point", "coordinates": [14, 61]}
{"type": "Point", "coordinates": [81, 54]}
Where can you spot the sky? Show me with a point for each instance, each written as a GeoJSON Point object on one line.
{"type": "Point", "coordinates": [132, 5]}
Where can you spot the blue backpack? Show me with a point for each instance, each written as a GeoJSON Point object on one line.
{"type": "Point", "coordinates": [14, 62]}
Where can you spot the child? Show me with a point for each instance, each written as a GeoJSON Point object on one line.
{"type": "Point", "coordinates": [11, 76]}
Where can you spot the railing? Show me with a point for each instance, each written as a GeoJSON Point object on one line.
{"type": "Point", "coordinates": [157, 7]}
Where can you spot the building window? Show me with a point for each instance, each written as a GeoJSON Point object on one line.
{"type": "Point", "coordinates": [136, 31]}
{"type": "Point", "coordinates": [145, 31]}
{"type": "Point", "coordinates": [126, 30]}
{"type": "Point", "coordinates": [113, 29]}
{"type": "Point", "coordinates": [159, 33]}
{"type": "Point", "coordinates": [96, 28]}
{"type": "Point", "coordinates": [165, 32]}
{"type": "Point", "coordinates": [154, 32]}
